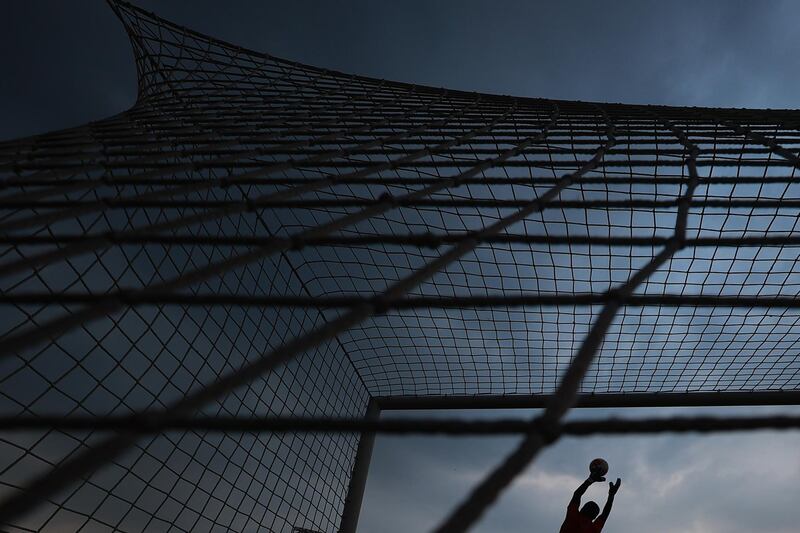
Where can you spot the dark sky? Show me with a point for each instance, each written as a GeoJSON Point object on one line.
{"type": "Point", "coordinates": [65, 63]}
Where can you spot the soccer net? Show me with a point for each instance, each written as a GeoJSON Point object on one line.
{"type": "Point", "coordinates": [202, 296]}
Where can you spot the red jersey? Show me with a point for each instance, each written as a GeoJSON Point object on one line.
{"type": "Point", "coordinates": [575, 522]}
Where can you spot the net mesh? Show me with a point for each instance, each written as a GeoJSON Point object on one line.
{"type": "Point", "coordinates": [259, 238]}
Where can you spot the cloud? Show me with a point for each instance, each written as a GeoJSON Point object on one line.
{"type": "Point", "coordinates": [733, 483]}
{"type": "Point", "coordinates": [548, 482]}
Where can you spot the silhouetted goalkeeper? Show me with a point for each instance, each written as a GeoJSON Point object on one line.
{"type": "Point", "coordinates": [583, 521]}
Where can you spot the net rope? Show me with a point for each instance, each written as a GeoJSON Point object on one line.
{"type": "Point", "coordinates": [202, 295]}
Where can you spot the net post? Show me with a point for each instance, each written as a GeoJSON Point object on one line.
{"type": "Point", "coordinates": [358, 479]}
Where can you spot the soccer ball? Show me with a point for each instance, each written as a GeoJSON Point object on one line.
{"type": "Point", "coordinates": [598, 467]}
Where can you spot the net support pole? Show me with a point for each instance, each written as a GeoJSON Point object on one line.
{"type": "Point", "coordinates": [358, 479]}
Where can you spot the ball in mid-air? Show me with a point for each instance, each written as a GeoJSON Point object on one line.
{"type": "Point", "coordinates": [598, 467]}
